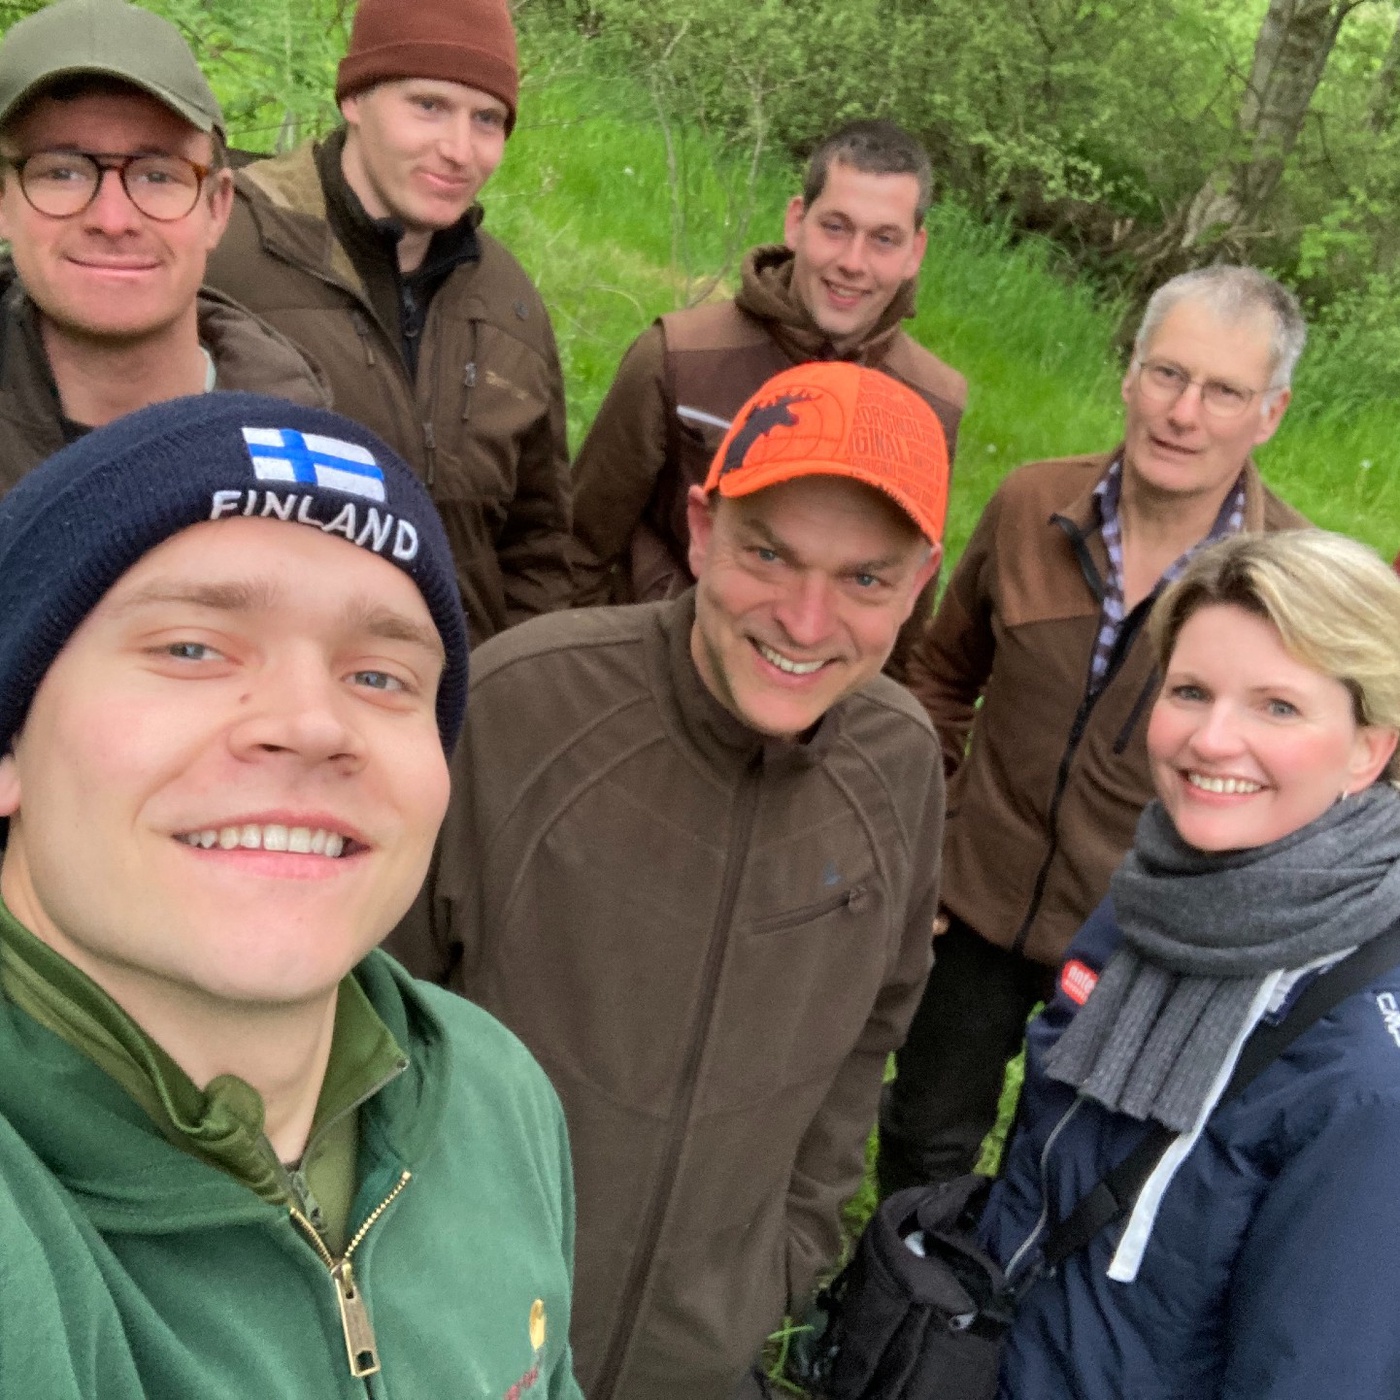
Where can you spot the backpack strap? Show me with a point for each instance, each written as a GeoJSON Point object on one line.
{"type": "Point", "coordinates": [1114, 1195]}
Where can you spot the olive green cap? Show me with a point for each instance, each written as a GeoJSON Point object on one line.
{"type": "Point", "coordinates": [110, 39]}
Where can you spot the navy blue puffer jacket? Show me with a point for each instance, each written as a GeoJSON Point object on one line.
{"type": "Point", "coordinates": [1272, 1271]}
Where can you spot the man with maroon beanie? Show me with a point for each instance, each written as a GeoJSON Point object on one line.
{"type": "Point", "coordinates": [367, 251]}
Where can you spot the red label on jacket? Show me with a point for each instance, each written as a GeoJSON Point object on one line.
{"type": "Point", "coordinates": [1077, 980]}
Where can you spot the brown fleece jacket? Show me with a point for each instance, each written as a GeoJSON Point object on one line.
{"type": "Point", "coordinates": [1044, 785]}
{"type": "Point", "coordinates": [711, 941]}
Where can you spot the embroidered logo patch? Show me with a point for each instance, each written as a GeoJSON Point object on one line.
{"type": "Point", "coordinates": [283, 454]}
{"type": "Point", "coordinates": [1077, 980]}
{"type": "Point", "coordinates": [538, 1331]}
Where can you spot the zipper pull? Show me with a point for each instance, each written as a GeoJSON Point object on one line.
{"type": "Point", "coordinates": [430, 448]}
{"type": "Point", "coordinates": [360, 1345]}
{"type": "Point", "coordinates": [468, 384]}
{"type": "Point", "coordinates": [361, 325]}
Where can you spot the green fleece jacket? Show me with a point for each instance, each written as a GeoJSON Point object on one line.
{"type": "Point", "coordinates": [133, 1270]}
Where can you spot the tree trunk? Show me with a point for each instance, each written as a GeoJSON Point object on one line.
{"type": "Point", "coordinates": [1225, 218]}
{"type": "Point", "coordinates": [1295, 41]}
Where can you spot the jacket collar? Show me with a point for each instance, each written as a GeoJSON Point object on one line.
{"type": "Point", "coordinates": [118, 1122]}
{"type": "Point", "coordinates": [1083, 510]}
{"type": "Point", "coordinates": [766, 294]}
{"type": "Point", "coordinates": [721, 737]}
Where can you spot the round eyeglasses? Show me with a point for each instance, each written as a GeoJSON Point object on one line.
{"type": "Point", "coordinates": [1163, 382]}
{"type": "Point", "coordinates": [63, 183]}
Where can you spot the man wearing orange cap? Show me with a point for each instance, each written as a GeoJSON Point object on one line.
{"type": "Point", "coordinates": [367, 251]}
{"type": "Point", "coordinates": [691, 858]}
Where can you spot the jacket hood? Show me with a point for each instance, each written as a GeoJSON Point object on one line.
{"type": "Point", "coordinates": [252, 356]}
{"type": "Point", "coordinates": [766, 292]}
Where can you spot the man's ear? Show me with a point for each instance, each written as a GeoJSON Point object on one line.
{"type": "Point", "coordinates": [792, 220]}
{"type": "Point", "coordinates": [220, 204]}
{"type": "Point", "coordinates": [1272, 415]}
{"type": "Point", "coordinates": [700, 517]}
{"type": "Point", "coordinates": [9, 785]}
{"type": "Point", "coordinates": [925, 571]}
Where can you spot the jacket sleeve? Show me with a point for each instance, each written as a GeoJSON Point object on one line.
{"type": "Point", "coordinates": [948, 662]}
{"type": "Point", "coordinates": [830, 1161]}
{"type": "Point", "coordinates": [1313, 1308]}
{"type": "Point", "coordinates": [617, 467]}
{"type": "Point", "coordinates": [533, 547]}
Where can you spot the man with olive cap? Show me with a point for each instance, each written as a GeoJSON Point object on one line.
{"type": "Point", "coordinates": [691, 858]}
{"type": "Point", "coordinates": [113, 192]}
{"type": "Point", "coordinates": [241, 1152]}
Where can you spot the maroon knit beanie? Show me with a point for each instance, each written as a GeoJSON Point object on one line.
{"type": "Point", "coordinates": [458, 41]}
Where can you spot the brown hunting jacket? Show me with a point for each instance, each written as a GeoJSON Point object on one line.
{"type": "Point", "coordinates": [483, 420]}
{"type": "Point", "coordinates": [247, 353]}
{"type": "Point", "coordinates": [1045, 783]}
{"type": "Point", "coordinates": [676, 389]}
{"type": "Point", "coordinates": [711, 941]}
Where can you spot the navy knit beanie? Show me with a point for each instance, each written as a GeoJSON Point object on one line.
{"type": "Point", "coordinates": [73, 526]}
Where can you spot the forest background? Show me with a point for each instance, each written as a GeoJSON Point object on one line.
{"type": "Point", "coordinates": [1083, 150]}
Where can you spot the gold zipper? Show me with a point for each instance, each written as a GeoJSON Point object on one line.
{"type": "Point", "coordinates": [360, 1347]}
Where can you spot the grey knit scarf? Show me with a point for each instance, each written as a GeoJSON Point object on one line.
{"type": "Point", "coordinates": [1201, 931]}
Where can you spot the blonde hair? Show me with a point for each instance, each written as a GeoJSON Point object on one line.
{"type": "Point", "coordinates": [1333, 602]}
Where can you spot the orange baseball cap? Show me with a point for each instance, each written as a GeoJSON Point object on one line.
{"type": "Point", "coordinates": [832, 418]}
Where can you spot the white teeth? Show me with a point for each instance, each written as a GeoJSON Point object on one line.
{"type": "Point", "coordinates": [793, 668]}
{"type": "Point", "coordinates": [299, 840]}
{"type": "Point", "coordinates": [1228, 786]}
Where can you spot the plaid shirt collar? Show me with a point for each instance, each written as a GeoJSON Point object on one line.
{"type": "Point", "coordinates": [1108, 495]}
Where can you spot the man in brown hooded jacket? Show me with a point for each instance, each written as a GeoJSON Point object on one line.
{"type": "Point", "coordinates": [837, 288]}
{"type": "Point", "coordinates": [691, 859]}
{"type": "Point", "coordinates": [367, 251]}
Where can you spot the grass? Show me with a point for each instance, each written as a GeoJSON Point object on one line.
{"type": "Point", "coordinates": [585, 200]}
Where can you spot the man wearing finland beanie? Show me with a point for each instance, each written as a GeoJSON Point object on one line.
{"type": "Point", "coordinates": [367, 251]}
{"type": "Point", "coordinates": [234, 1148]}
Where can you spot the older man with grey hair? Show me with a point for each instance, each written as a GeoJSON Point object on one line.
{"type": "Point", "coordinates": [1042, 623]}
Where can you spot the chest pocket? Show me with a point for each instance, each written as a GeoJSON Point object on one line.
{"type": "Point", "coordinates": [488, 395]}
{"type": "Point", "coordinates": [799, 987]}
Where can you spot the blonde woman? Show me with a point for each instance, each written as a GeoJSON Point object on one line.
{"type": "Point", "coordinates": [1258, 1262]}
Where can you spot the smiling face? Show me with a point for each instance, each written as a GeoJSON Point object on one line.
{"type": "Point", "coordinates": [1247, 743]}
{"type": "Point", "coordinates": [229, 781]}
{"type": "Point", "coordinates": [802, 589]}
{"type": "Point", "coordinates": [1178, 447]}
{"type": "Point", "coordinates": [420, 149]}
{"type": "Point", "coordinates": [853, 249]}
{"type": "Point", "coordinates": [110, 272]}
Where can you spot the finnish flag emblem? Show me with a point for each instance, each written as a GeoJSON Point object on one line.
{"type": "Point", "coordinates": [308, 459]}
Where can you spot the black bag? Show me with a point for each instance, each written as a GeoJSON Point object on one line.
{"type": "Point", "coordinates": [921, 1320]}
{"type": "Point", "coordinates": [904, 1325]}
